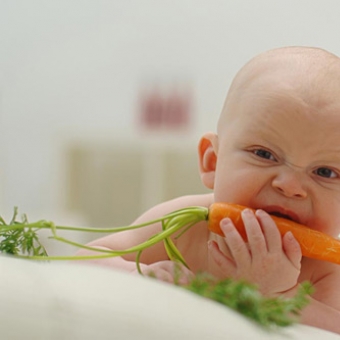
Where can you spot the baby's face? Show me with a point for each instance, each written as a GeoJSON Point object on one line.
{"type": "Point", "coordinates": [281, 153]}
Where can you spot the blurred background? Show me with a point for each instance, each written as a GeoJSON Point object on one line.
{"type": "Point", "coordinates": [102, 103]}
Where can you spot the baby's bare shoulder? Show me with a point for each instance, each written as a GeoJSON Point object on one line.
{"type": "Point", "coordinates": [131, 238]}
{"type": "Point", "coordinates": [164, 208]}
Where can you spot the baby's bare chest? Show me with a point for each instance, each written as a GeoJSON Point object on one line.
{"type": "Point", "coordinates": [321, 274]}
{"type": "Point", "coordinates": [193, 245]}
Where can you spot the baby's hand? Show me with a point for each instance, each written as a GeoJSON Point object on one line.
{"type": "Point", "coordinates": [268, 260]}
{"type": "Point", "coordinates": [167, 271]}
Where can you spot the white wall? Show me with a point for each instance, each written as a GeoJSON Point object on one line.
{"type": "Point", "coordinates": [75, 67]}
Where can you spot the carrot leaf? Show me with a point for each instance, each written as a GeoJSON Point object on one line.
{"type": "Point", "coordinates": [246, 299]}
{"type": "Point", "coordinates": [18, 237]}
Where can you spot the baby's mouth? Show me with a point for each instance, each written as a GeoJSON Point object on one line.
{"type": "Point", "coordinates": [282, 213]}
{"type": "Point", "coordinates": [278, 214]}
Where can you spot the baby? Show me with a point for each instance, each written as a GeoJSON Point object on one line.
{"type": "Point", "coordinates": [276, 150]}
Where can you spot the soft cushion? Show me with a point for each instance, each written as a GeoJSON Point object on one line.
{"type": "Point", "coordinates": [55, 300]}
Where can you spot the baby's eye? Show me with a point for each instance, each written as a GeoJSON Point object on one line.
{"type": "Point", "coordinates": [264, 154]}
{"type": "Point", "coordinates": [326, 172]}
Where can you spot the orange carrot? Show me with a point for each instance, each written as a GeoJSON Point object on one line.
{"type": "Point", "coordinates": [314, 244]}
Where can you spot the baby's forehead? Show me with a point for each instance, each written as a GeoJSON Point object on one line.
{"type": "Point", "coordinates": [312, 74]}
{"type": "Point", "coordinates": [303, 56]}
{"type": "Point", "coordinates": [295, 63]}
{"type": "Point", "coordinates": [293, 77]}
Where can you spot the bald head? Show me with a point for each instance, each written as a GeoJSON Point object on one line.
{"type": "Point", "coordinates": [310, 73]}
{"type": "Point", "coordinates": [297, 63]}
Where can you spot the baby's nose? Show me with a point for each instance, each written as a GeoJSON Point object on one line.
{"type": "Point", "coordinates": [289, 183]}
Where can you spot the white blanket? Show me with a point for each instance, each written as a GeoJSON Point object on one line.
{"type": "Point", "coordinates": [52, 300]}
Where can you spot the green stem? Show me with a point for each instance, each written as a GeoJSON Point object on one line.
{"type": "Point", "coordinates": [42, 224]}
{"type": "Point", "coordinates": [172, 225]}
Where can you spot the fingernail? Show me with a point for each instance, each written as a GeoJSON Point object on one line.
{"type": "Point", "coordinates": [246, 212]}
{"type": "Point", "coordinates": [260, 211]}
{"type": "Point", "coordinates": [226, 221]}
{"type": "Point", "coordinates": [290, 235]}
{"type": "Point", "coordinates": [226, 224]}
{"type": "Point", "coordinates": [212, 244]}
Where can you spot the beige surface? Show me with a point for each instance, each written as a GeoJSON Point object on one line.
{"type": "Point", "coordinates": [71, 301]}
{"type": "Point", "coordinates": [112, 183]}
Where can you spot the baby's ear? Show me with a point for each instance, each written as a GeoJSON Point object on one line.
{"type": "Point", "coordinates": [207, 151]}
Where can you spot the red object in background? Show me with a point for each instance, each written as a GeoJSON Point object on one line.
{"type": "Point", "coordinates": [177, 110]}
{"type": "Point", "coordinates": [170, 111]}
{"type": "Point", "coordinates": [151, 109]}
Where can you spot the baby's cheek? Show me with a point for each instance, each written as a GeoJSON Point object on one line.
{"type": "Point", "coordinates": [326, 225]}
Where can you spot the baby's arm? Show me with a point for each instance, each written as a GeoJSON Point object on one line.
{"type": "Point", "coordinates": [154, 259]}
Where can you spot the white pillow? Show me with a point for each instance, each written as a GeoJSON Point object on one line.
{"type": "Point", "coordinates": [50, 300]}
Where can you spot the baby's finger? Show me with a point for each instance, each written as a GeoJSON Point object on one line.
{"type": "Point", "coordinates": [159, 274]}
{"type": "Point", "coordinates": [182, 275]}
{"type": "Point", "coordinates": [236, 244]}
{"type": "Point", "coordinates": [270, 231]}
{"type": "Point", "coordinates": [226, 264]}
{"type": "Point", "coordinates": [292, 249]}
{"type": "Point", "coordinates": [256, 239]}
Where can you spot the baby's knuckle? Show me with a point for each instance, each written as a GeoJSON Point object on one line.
{"type": "Point", "coordinates": [238, 248]}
